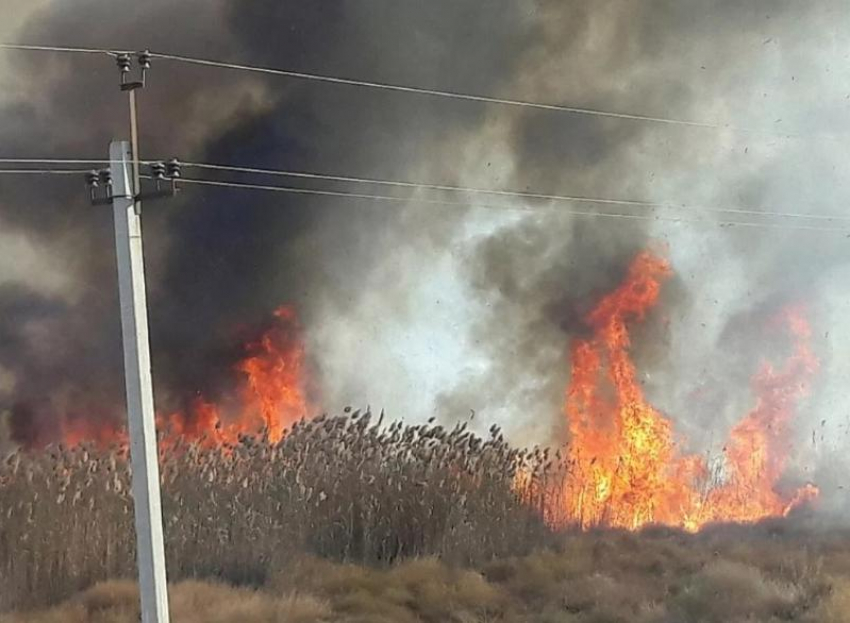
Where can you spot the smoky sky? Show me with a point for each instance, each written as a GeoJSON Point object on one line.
{"type": "Point", "coordinates": [222, 260]}
{"type": "Point", "coordinates": [420, 308]}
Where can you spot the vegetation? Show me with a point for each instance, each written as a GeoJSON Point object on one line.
{"type": "Point", "coordinates": [342, 488]}
{"type": "Point", "coordinates": [347, 522]}
{"type": "Point", "coordinates": [6, 443]}
{"type": "Point", "coordinates": [604, 577]}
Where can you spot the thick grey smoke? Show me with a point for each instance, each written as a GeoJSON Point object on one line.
{"type": "Point", "coordinates": [427, 309]}
{"type": "Point", "coordinates": [753, 67]}
{"type": "Point", "coordinates": [220, 261]}
{"type": "Point", "coordinates": [768, 67]}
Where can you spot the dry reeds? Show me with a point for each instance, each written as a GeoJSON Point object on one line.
{"type": "Point", "coordinates": [343, 488]}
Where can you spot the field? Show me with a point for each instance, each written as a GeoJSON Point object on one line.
{"type": "Point", "coordinates": [345, 521]}
{"type": "Point", "coordinates": [727, 576]}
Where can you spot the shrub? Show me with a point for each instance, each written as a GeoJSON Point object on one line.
{"type": "Point", "coordinates": [569, 586]}
{"type": "Point", "coordinates": [191, 602]}
{"type": "Point", "coordinates": [725, 590]}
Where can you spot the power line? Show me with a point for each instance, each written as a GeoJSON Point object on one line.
{"type": "Point", "coordinates": [440, 93]}
{"type": "Point", "coordinates": [578, 110]}
{"type": "Point", "coordinates": [42, 171]}
{"type": "Point", "coordinates": [52, 161]}
{"type": "Point", "coordinates": [52, 48]}
{"type": "Point", "coordinates": [442, 202]}
{"type": "Point", "coordinates": [389, 198]}
{"type": "Point", "coordinates": [512, 193]}
{"type": "Point", "coordinates": [464, 189]}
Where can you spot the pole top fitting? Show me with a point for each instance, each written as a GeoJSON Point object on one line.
{"type": "Point", "coordinates": [144, 58]}
{"type": "Point", "coordinates": [158, 170]}
{"type": "Point", "coordinates": [173, 167]}
{"type": "Point", "coordinates": [124, 63]}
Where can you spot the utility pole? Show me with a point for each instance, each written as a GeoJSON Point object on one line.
{"type": "Point", "coordinates": [124, 62]}
{"type": "Point", "coordinates": [150, 549]}
{"type": "Point", "coordinates": [122, 184]}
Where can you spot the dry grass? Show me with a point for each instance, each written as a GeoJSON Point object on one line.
{"type": "Point", "coordinates": [605, 577]}
{"type": "Point", "coordinates": [836, 608]}
{"type": "Point", "coordinates": [191, 602]}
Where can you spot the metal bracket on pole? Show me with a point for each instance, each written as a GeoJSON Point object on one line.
{"type": "Point", "coordinates": [150, 549]}
{"type": "Point", "coordinates": [125, 63]}
{"type": "Point", "coordinates": [165, 176]}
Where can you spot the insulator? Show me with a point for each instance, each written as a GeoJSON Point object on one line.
{"type": "Point", "coordinates": [144, 59]}
{"type": "Point", "coordinates": [92, 179]}
{"type": "Point", "coordinates": [174, 168]}
{"type": "Point", "coordinates": [158, 170]}
{"type": "Point", "coordinates": [124, 63]}
{"type": "Point", "coordinates": [105, 177]}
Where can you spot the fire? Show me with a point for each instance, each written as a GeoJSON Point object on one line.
{"type": "Point", "coordinates": [78, 430]}
{"type": "Point", "coordinates": [272, 391]}
{"type": "Point", "coordinates": [274, 374]}
{"type": "Point", "coordinates": [269, 396]}
{"type": "Point", "coordinates": [757, 450]}
{"type": "Point", "coordinates": [626, 468]}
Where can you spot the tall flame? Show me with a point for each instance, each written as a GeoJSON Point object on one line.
{"type": "Point", "coordinates": [626, 468]}
{"type": "Point", "coordinates": [274, 373]}
{"type": "Point", "coordinates": [273, 393]}
{"type": "Point", "coordinates": [270, 395]}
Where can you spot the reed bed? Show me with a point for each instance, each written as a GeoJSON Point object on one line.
{"type": "Point", "coordinates": [344, 488]}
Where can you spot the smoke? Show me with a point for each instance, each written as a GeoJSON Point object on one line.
{"type": "Point", "coordinates": [756, 67]}
{"type": "Point", "coordinates": [424, 309]}
{"type": "Point", "coordinates": [219, 261]}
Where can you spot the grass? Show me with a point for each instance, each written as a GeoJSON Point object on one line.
{"type": "Point", "coordinates": [191, 602]}
{"type": "Point", "coordinates": [603, 577]}
{"type": "Point", "coordinates": [344, 522]}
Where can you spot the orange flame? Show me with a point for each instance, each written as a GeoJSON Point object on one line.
{"type": "Point", "coordinates": [274, 372]}
{"type": "Point", "coordinates": [626, 470]}
{"type": "Point", "coordinates": [271, 396]}
{"type": "Point", "coordinates": [273, 391]}
{"type": "Point", "coordinates": [78, 430]}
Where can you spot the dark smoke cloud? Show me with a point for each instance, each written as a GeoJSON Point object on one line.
{"type": "Point", "coordinates": [476, 306]}
{"type": "Point", "coordinates": [218, 260]}
{"type": "Point", "coordinates": [70, 107]}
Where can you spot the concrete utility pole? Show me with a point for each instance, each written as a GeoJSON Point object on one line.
{"type": "Point", "coordinates": [150, 549]}
{"type": "Point", "coordinates": [122, 184]}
